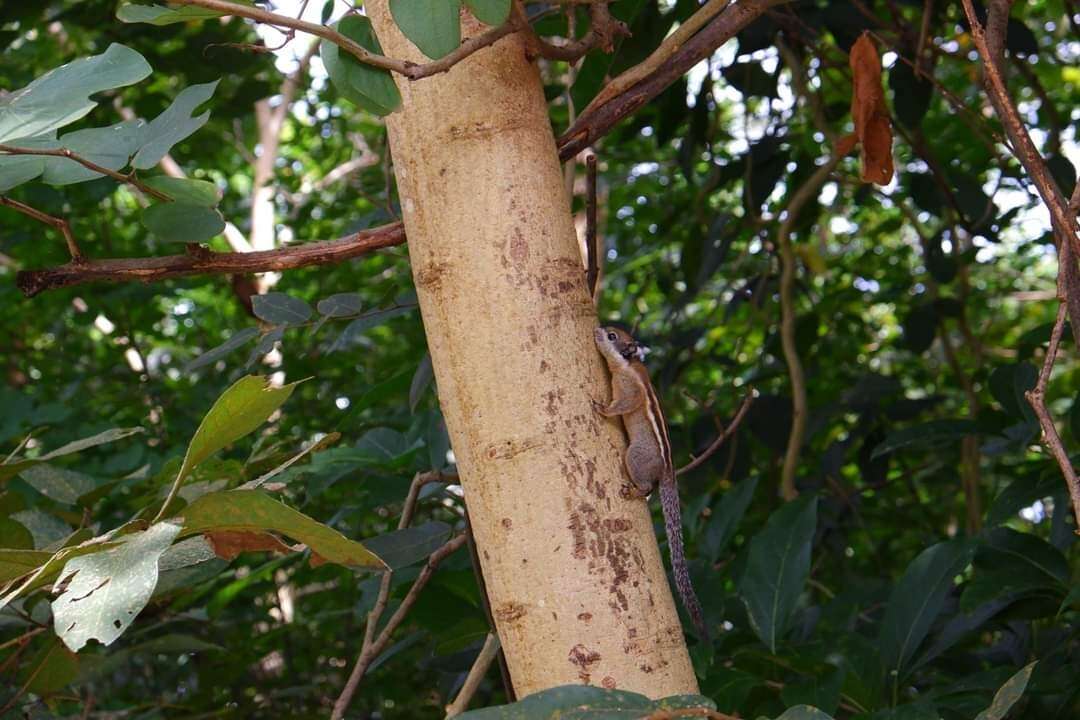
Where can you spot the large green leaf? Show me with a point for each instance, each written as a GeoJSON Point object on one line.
{"type": "Point", "coordinates": [186, 190]}
{"type": "Point", "coordinates": [369, 87]}
{"type": "Point", "coordinates": [930, 434]}
{"type": "Point", "coordinates": [726, 517]}
{"type": "Point", "coordinates": [111, 147]}
{"type": "Point", "coordinates": [173, 125]}
{"type": "Point", "coordinates": [1007, 696]}
{"type": "Point", "coordinates": [402, 548]}
{"type": "Point", "coordinates": [491, 12]}
{"type": "Point", "coordinates": [182, 222]}
{"type": "Point", "coordinates": [242, 408]}
{"type": "Point", "coordinates": [255, 510]}
{"type": "Point", "coordinates": [280, 309]}
{"type": "Point", "coordinates": [101, 594]}
{"type": "Point", "coordinates": [804, 712]}
{"type": "Point", "coordinates": [918, 598]}
{"type": "Point", "coordinates": [15, 563]}
{"type": "Point", "coordinates": [567, 702]}
{"type": "Point", "coordinates": [777, 567]}
{"type": "Point", "coordinates": [432, 25]}
{"type": "Point", "coordinates": [62, 96]}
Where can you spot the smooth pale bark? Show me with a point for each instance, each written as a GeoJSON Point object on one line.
{"type": "Point", "coordinates": [573, 571]}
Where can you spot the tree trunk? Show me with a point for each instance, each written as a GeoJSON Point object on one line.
{"type": "Point", "coordinates": [574, 575]}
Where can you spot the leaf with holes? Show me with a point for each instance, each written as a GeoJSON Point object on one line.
{"type": "Point", "coordinates": [101, 594]}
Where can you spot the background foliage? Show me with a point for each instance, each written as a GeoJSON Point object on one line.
{"type": "Point", "coordinates": [930, 556]}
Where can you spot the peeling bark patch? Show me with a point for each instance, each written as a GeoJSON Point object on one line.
{"type": "Point", "coordinates": [584, 617]}
{"type": "Point", "coordinates": [554, 400]}
{"type": "Point", "coordinates": [544, 366]}
{"type": "Point", "coordinates": [431, 276]}
{"type": "Point", "coordinates": [608, 682]}
{"type": "Point", "coordinates": [645, 668]}
{"type": "Point", "coordinates": [507, 523]}
{"type": "Point", "coordinates": [510, 612]}
{"type": "Point", "coordinates": [577, 530]}
{"type": "Point", "coordinates": [519, 248]}
{"type": "Point", "coordinates": [583, 658]}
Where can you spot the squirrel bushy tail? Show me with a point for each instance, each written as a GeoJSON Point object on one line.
{"type": "Point", "coordinates": [669, 503]}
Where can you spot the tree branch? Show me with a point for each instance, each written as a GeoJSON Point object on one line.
{"type": "Point", "coordinates": [369, 653]}
{"type": "Point", "coordinates": [59, 223]}
{"type": "Point", "coordinates": [476, 674]}
{"type": "Point", "coordinates": [33, 282]}
{"type": "Point", "coordinates": [1036, 397]}
{"type": "Point", "coordinates": [803, 195]}
{"type": "Point", "coordinates": [405, 68]}
{"type": "Point", "coordinates": [128, 178]}
{"type": "Point", "coordinates": [727, 432]}
{"type": "Point", "coordinates": [599, 118]}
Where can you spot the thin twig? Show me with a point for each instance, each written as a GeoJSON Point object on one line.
{"type": "Point", "coordinates": [476, 675]}
{"type": "Point", "coordinates": [405, 68]}
{"type": "Point", "coordinates": [592, 271]}
{"type": "Point", "coordinates": [77, 258]}
{"type": "Point", "coordinates": [1022, 145]}
{"type": "Point", "coordinates": [803, 195]}
{"type": "Point", "coordinates": [725, 433]}
{"type": "Point", "coordinates": [369, 653]}
{"type": "Point", "coordinates": [1036, 397]}
{"type": "Point", "coordinates": [128, 178]}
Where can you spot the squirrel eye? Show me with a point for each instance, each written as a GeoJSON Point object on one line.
{"type": "Point", "coordinates": [611, 337]}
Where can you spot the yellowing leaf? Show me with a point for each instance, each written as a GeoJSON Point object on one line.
{"type": "Point", "coordinates": [253, 510]}
{"type": "Point", "coordinates": [869, 112]}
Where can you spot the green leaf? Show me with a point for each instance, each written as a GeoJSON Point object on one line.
{"type": "Point", "coordinates": [14, 536]}
{"type": "Point", "coordinates": [1008, 383]}
{"type": "Point", "coordinates": [489, 12]}
{"type": "Point", "coordinates": [1011, 564]}
{"type": "Point", "coordinates": [434, 26]}
{"type": "Point", "coordinates": [362, 324]}
{"type": "Point", "coordinates": [16, 466]}
{"type": "Point", "coordinates": [62, 96]}
{"type": "Point", "coordinates": [59, 484]}
{"type": "Point", "coordinates": [370, 88]}
{"type": "Point", "coordinates": [101, 594]}
{"type": "Point", "coordinates": [158, 15]}
{"type": "Point", "coordinates": [16, 563]}
{"type": "Point", "coordinates": [186, 190]}
{"type": "Point", "coordinates": [340, 305]}
{"type": "Point", "coordinates": [1007, 696]}
{"type": "Point", "coordinates": [173, 125]}
{"type": "Point", "coordinates": [420, 381]}
{"type": "Point", "coordinates": [402, 548]}
{"type": "Point", "coordinates": [726, 517]}
{"type": "Point", "coordinates": [255, 510]}
{"type": "Point", "coordinates": [777, 567]}
{"type": "Point", "coordinates": [181, 222]}
{"type": "Point", "coordinates": [111, 147]}
{"type": "Point", "coordinates": [568, 702]}
{"type": "Point", "coordinates": [51, 669]}
{"type": "Point", "coordinates": [930, 434]}
{"type": "Point", "coordinates": [918, 598]}
{"type": "Point", "coordinates": [18, 169]}
{"type": "Point", "coordinates": [235, 341]}
{"type": "Point", "coordinates": [280, 309]}
{"type": "Point", "coordinates": [240, 410]}
{"type": "Point", "coordinates": [804, 712]}
{"type": "Point", "coordinates": [820, 692]}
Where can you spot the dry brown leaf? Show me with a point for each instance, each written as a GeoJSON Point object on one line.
{"type": "Point", "coordinates": [846, 144]}
{"type": "Point", "coordinates": [869, 112]}
{"type": "Point", "coordinates": [227, 544]}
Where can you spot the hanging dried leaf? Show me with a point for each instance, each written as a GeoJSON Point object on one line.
{"type": "Point", "coordinates": [228, 544]}
{"type": "Point", "coordinates": [869, 113]}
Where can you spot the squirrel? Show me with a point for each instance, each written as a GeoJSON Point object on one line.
{"type": "Point", "coordinates": [648, 458]}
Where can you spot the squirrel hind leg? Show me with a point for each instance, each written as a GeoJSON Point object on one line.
{"type": "Point", "coordinates": [644, 467]}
